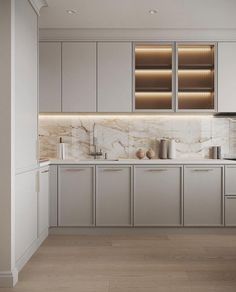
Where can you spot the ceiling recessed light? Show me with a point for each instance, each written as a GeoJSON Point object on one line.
{"type": "Point", "coordinates": [152, 11]}
{"type": "Point", "coordinates": [71, 11]}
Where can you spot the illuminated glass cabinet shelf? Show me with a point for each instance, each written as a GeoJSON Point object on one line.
{"type": "Point", "coordinates": [174, 77]}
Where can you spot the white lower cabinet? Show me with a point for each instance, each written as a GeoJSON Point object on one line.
{"type": "Point", "coordinates": [25, 211]}
{"type": "Point", "coordinates": [75, 196]}
{"type": "Point", "coordinates": [157, 196]}
{"type": "Point", "coordinates": [114, 196]}
{"type": "Point", "coordinates": [230, 211]}
{"type": "Point", "coordinates": [43, 200]}
{"type": "Point", "coordinates": [203, 195]}
{"type": "Point", "coordinates": [53, 196]}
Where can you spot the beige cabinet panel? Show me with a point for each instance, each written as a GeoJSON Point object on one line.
{"type": "Point", "coordinates": [43, 200]}
{"type": "Point", "coordinates": [53, 182]}
{"type": "Point", "coordinates": [230, 211]}
{"type": "Point", "coordinates": [79, 77]}
{"type": "Point", "coordinates": [203, 196]}
{"type": "Point", "coordinates": [26, 86]}
{"type": "Point", "coordinates": [114, 196]}
{"type": "Point", "coordinates": [157, 196]}
{"type": "Point", "coordinates": [25, 211]}
{"type": "Point", "coordinates": [226, 77]}
{"type": "Point", "coordinates": [114, 77]}
{"type": "Point", "coordinates": [230, 180]}
{"type": "Point", "coordinates": [49, 77]}
{"type": "Point", "coordinates": [76, 196]}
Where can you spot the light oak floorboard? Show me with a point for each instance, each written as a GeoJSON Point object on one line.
{"type": "Point", "coordinates": [132, 263]}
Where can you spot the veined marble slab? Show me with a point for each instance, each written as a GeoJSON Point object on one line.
{"type": "Point", "coordinates": [122, 136]}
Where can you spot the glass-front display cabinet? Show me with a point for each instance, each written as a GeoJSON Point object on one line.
{"type": "Point", "coordinates": [196, 77]}
{"type": "Point", "coordinates": [153, 77]}
{"type": "Point", "coordinates": [174, 77]}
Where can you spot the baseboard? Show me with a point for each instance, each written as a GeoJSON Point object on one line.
{"type": "Point", "coordinates": [140, 230]}
{"type": "Point", "coordinates": [31, 250]}
{"type": "Point", "coordinates": [8, 279]}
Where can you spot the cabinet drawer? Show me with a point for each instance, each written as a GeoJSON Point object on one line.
{"type": "Point", "coordinates": [230, 181]}
{"type": "Point", "coordinates": [230, 211]}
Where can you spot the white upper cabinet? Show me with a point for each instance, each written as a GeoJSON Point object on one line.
{"type": "Point", "coordinates": [26, 86]}
{"type": "Point", "coordinates": [79, 77]}
{"type": "Point", "coordinates": [226, 77]}
{"type": "Point", "coordinates": [49, 77]}
{"type": "Point", "coordinates": [114, 77]}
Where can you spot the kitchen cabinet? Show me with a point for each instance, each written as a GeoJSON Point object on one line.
{"type": "Point", "coordinates": [203, 195]}
{"type": "Point", "coordinates": [230, 182]}
{"type": "Point", "coordinates": [154, 77]}
{"type": "Point", "coordinates": [26, 87]}
{"type": "Point", "coordinates": [230, 210]}
{"type": "Point", "coordinates": [25, 212]}
{"type": "Point", "coordinates": [79, 77]}
{"type": "Point", "coordinates": [49, 77]}
{"type": "Point", "coordinates": [43, 200]}
{"type": "Point", "coordinates": [76, 196]}
{"type": "Point", "coordinates": [114, 196]}
{"type": "Point", "coordinates": [158, 196]}
{"type": "Point", "coordinates": [114, 77]}
{"type": "Point", "coordinates": [226, 77]}
{"type": "Point", "coordinates": [196, 77]}
{"type": "Point", "coordinates": [53, 195]}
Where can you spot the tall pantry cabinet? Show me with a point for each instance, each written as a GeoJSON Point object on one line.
{"type": "Point", "coordinates": [26, 128]}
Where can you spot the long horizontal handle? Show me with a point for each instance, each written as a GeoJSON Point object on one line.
{"type": "Point", "coordinates": [112, 169]}
{"type": "Point", "coordinates": [157, 170]}
{"type": "Point", "coordinates": [231, 198]}
{"type": "Point", "coordinates": [202, 169]}
{"type": "Point", "coordinates": [75, 169]}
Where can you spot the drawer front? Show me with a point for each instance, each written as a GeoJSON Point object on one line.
{"type": "Point", "coordinates": [230, 211]}
{"type": "Point", "coordinates": [230, 180]}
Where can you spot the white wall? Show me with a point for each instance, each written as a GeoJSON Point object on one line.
{"type": "Point", "coordinates": [8, 275]}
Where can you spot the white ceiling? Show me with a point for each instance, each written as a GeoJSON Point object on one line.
{"type": "Point", "coordinates": [177, 14]}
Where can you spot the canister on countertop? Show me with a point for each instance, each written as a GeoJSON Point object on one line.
{"type": "Point", "coordinates": [172, 149]}
{"type": "Point", "coordinates": [216, 152]}
{"type": "Point", "coordinates": [163, 148]}
{"type": "Point", "coordinates": [61, 150]}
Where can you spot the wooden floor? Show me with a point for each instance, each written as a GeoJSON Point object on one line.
{"type": "Point", "coordinates": [132, 263]}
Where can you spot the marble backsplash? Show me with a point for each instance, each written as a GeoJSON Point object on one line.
{"type": "Point", "coordinates": [121, 136]}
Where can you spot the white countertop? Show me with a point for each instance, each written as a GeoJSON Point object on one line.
{"type": "Point", "coordinates": [142, 162]}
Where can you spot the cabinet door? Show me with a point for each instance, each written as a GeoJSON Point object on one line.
{"type": "Point", "coordinates": [43, 200]}
{"type": "Point", "coordinates": [53, 181]}
{"type": "Point", "coordinates": [226, 77]}
{"type": "Point", "coordinates": [203, 196]}
{"type": "Point", "coordinates": [157, 196]}
{"type": "Point", "coordinates": [196, 77]}
{"type": "Point", "coordinates": [230, 182]}
{"type": "Point", "coordinates": [79, 77]}
{"type": "Point", "coordinates": [76, 194]}
{"type": "Point", "coordinates": [113, 197]}
{"type": "Point", "coordinates": [49, 77]}
{"type": "Point", "coordinates": [114, 77]}
{"type": "Point", "coordinates": [25, 211]}
{"type": "Point", "coordinates": [230, 211]}
{"type": "Point", "coordinates": [26, 86]}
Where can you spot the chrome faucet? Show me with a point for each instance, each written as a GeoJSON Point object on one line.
{"type": "Point", "coordinates": [95, 153]}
